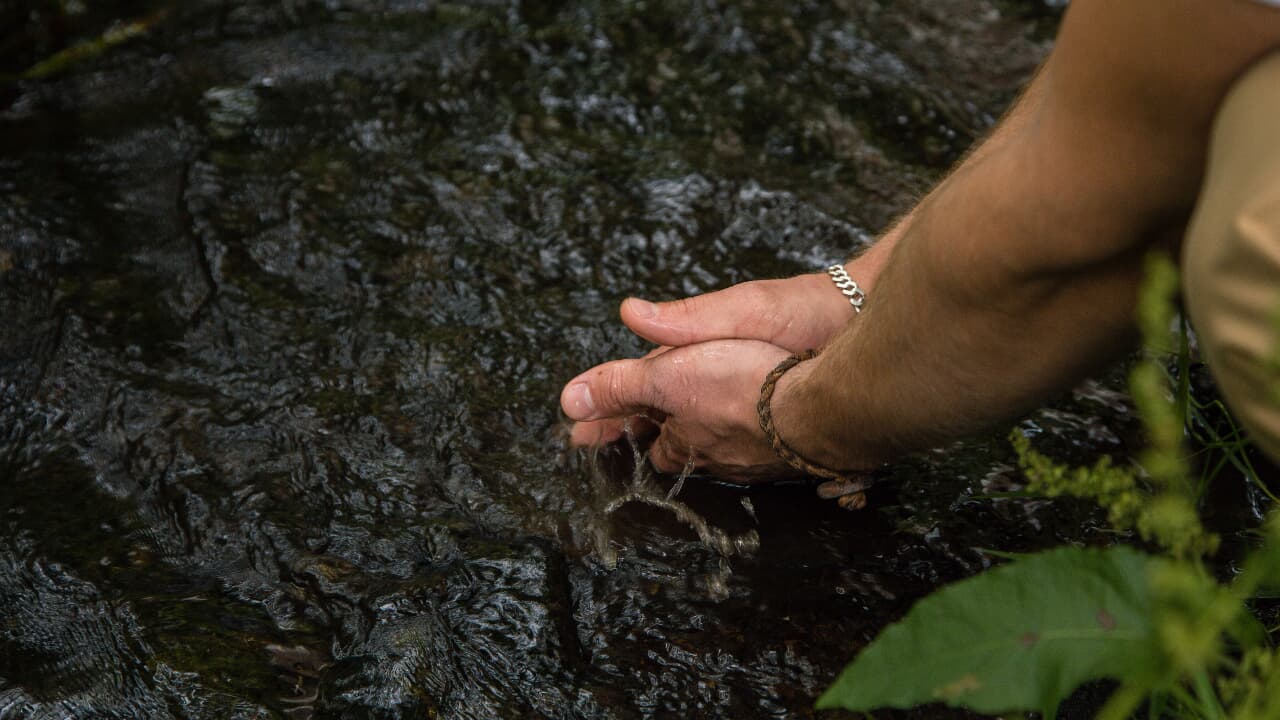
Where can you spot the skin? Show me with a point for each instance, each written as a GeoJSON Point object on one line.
{"type": "Point", "coordinates": [1012, 280]}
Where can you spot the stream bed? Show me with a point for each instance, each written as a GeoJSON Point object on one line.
{"type": "Point", "coordinates": [288, 291]}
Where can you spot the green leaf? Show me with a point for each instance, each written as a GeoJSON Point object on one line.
{"type": "Point", "coordinates": [1019, 637]}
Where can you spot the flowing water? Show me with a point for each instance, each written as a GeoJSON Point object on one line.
{"type": "Point", "coordinates": [288, 292]}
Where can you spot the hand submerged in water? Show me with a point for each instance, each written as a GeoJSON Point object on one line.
{"type": "Point", "coordinates": [704, 397]}
{"type": "Point", "coordinates": [702, 383]}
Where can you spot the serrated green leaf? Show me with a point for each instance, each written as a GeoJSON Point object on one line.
{"type": "Point", "coordinates": [1019, 637]}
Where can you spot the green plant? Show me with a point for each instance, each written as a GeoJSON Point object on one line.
{"type": "Point", "coordinates": [118, 33]}
{"type": "Point", "coordinates": [1024, 635]}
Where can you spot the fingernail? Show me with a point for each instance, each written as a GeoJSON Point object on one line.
{"type": "Point", "coordinates": [578, 402]}
{"type": "Point", "coordinates": [643, 308]}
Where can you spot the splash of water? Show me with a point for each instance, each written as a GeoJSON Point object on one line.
{"type": "Point", "coordinates": [642, 488]}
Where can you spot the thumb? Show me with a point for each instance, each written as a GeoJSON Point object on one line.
{"type": "Point", "coordinates": [613, 389]}
{"type": "Point", "coordinates": [742, 311]}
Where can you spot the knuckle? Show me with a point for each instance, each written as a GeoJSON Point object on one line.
{"type": "Point", "coordinates": [652, 384]}
{"type": "Point", "coordinates": [679, 392]}
{"type": "Point", "coordinates": [612, 387]}
{"type": "Point", "coordinates": [663, 457]}
{"type": "Point", "coordinates": [685, 308]}
{"type": "Point", "coordinates": [625, 385]}
{"type": "Point", "coordinates": [762, 303]}
{"type": "Point", "coordinates": [756, 293]}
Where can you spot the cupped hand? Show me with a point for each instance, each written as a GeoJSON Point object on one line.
{"type": "Point", "coordinates": [705, 397]}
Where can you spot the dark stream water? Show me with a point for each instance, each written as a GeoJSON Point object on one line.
{"type": "Point", "coordinates": [287, 294]}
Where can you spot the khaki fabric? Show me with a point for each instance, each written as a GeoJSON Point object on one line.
{"type": "Point", "coordinates": [1231, 256]}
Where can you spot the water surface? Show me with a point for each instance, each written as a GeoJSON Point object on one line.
{"type": "Point", "coordinates": [289, 290]}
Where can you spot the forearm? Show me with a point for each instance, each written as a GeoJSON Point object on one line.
{"type": "Point", "coordinates": [951, 344]}
{"type": "Point", "coordinates": [1018, 274]}
{"type": "Point", "coordinates": [884, 342]}
{"type": "Point", "coordinates": [866, 267]}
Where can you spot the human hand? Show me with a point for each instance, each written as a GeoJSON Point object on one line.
{"type": "Point", "coordinates": [705, 397]}
{"type": "Point", "coordinates": [795, 314]}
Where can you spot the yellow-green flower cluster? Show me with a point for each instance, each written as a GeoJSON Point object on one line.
{"type": "Point", "coordinates": [1169, 519]}
{"type": "Point", "coordinates": [1113, 488]}
{"type": "Point", "coordinates": [1253, 691]}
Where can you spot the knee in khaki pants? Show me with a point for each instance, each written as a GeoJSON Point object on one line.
{"type": "Point", "coordinates": [1231, 256]}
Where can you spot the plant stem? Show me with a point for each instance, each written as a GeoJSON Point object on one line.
{"type": "Point", "coordinates": [1207, 697]}
{"type": "Point", "coordinates": [1122, 703]}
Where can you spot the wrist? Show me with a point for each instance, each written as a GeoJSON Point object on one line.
{"type": "Point", "coordinates": [866, 266]}
{"type": "Point", "coordinates": [806, 415]}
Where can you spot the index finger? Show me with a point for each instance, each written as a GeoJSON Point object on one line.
{"type": "Point", "coordinates": [613, 389]}
{"type": "Point", "coordinates": [603, 432]}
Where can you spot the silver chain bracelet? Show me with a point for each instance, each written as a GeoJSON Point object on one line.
{"type": "Point", "coordinates": [847, 286]}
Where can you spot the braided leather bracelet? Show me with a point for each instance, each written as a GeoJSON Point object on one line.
{"type": "Point", "coordinates": [780, 446]}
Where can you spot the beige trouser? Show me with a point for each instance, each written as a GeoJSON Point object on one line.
{"type": "Point", "coordinates": [1231, 257]}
